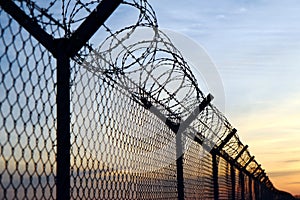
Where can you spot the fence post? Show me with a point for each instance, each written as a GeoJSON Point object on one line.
{"type": "Point", "coordinates": [232, 174]}
{"type": "Point", "coordinates": [242, 181]}
{"type": "Point", "coordinates": [215, 175]}
{"type": "Point", "coordinates": [179, 164]}
{"type": "Point", "coordinates": [250, 188]}
{"type": "Point", "coordinates": [63, 123]}
{"type": "Point", "coordinates": [257, 190]}
{"type": "Point", "coordinates": [179, 129]}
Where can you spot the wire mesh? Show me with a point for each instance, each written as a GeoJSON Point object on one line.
{"type": "Point", "coordinates": [247, 182]}
{"type": "Point", "coordinates": [119, 148]}
{"type": "Point", "coordinates": [197, 170]}
{"type": "Point", "coordinates": [239, 182]}
{"type": "Point", "coordinates": [224, 179]}
{"type": "Point", "coordinates": [28, 115]}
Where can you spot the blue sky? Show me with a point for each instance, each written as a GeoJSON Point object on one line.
{"type": "Point", "coordinates": [255, 46]}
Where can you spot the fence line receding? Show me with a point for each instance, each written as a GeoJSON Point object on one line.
{"type": "Point", "coordinates": [122, 120]}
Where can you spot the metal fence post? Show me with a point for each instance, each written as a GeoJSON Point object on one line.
{"type": "Point", "coordinates": [257, 190]}
{"type": "Point", "coordinates": [250, 188]}
{"type": "Point", "coordinates": [242, 183]}
{"type": "Point", "coordinates": [179, 129]}
{"type": "Point", "coordinates": [63, 123]}
{"type": "Point", "coordinates": [179, 164]}
{"type": "Point", "coordinates": [232, 174]}
{"type": "Point", "coordinates": [215, 175]}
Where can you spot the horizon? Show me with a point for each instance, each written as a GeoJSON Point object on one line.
{"type": "Point", "coordinates": [218, 74]}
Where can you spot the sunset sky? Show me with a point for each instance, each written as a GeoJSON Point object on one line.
{"type": "Point", "coordinates": [255, 46]}
{"type": "Point", "coordinates": [252, 50]}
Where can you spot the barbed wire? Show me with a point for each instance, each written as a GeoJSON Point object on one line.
{"type": "Point", "coordinates": [151, 68]}
{"type": "Point", "coordinates": [142, 59]}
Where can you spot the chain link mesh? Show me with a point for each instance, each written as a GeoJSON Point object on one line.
{"type": "Point", "coordinates": [197, 170]}
{"type": "Point", "coordinates": [224, 180]}
{"type": "Point", "coordinates": [120, 149]}
{"type": "Point", "coordinates": [28, 115]}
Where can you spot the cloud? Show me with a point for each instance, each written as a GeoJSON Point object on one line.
{"type": "Point", "coordinates": [294, 183]}
{"type": "Point", "coordinates": [242, 10]}
{"type": "Point", "coordinates": [291, 161]}
{"type": "Point", "coordinates": [284, 173]}
{"type": "Point", "coordinates": [220, 16]}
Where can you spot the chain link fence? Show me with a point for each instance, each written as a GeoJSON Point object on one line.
{"type": "Point", "coordinates": [126, 120]}
{"type": "Point", "coordinates": [28, 115]}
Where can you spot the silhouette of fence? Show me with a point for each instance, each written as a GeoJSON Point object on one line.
{"type": "Point", "coordinates": [122, 121]}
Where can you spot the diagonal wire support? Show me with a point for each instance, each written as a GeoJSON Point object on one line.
{"type": "Point", "coordinates": [249, 161]}
{"type": "Point", "coordinates": [90, 25]}
{"type": "Point", "coordinates": [29, 24]}
{"type": "Point", "coordinates": [240, 153]}
{"type": "Point", "coordinates": [179, 129]}
{"type": "Point", "coordinates": [226, 140]}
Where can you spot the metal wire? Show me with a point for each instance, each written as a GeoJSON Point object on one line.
{"type": "Point", "coordinates": [119, 148]}
{"type": "Point", "coordinates": [27, 117]}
